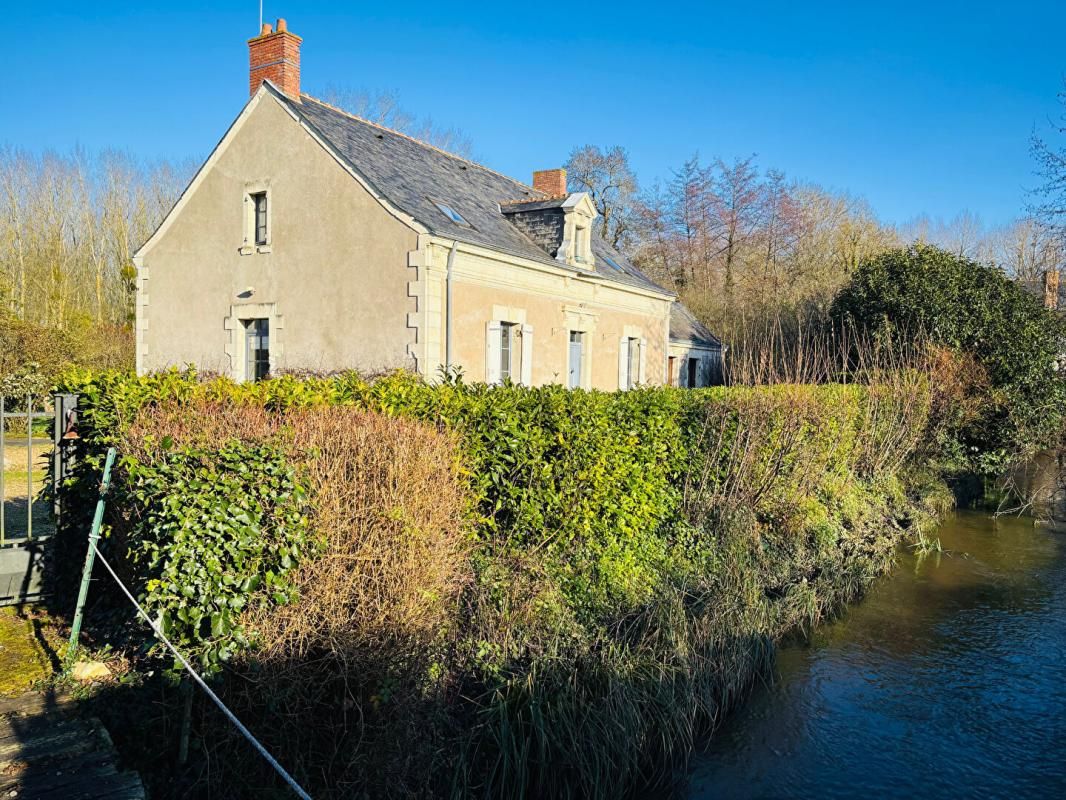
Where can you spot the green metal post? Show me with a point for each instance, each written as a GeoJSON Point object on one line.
{"type": "Point", "coordinates": [29, 467]}
{"type": "Point", "coordinates": [90, 556]}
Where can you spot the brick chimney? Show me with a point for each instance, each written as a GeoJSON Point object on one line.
{"type": "Point", "coordinates": [1051, 289]}
{"type": "Point", "coordinates": [275, 56]}
{"type": "Point", "coordinates": [550, 181]}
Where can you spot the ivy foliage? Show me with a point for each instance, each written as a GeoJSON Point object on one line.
{"type": "Point", "coordinates": [215, 531]}
{"type": "Point", "coordinates": [975, 309]}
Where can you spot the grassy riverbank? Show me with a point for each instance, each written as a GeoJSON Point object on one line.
{"type": "Point", "coordinates": [501, 591]}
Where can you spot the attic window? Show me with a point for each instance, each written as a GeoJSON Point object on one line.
{"type": "Point", "coordinates": [452, 214]}
{"type": "Point", "coordinates": [582, 251]}
{"type": "Point", "coordinates": [613, 263]}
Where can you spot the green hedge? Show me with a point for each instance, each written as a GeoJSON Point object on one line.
{"type": "Point", "coordinates": [591, 482]}
{"type": "Point", "coordinates": [634, 552]}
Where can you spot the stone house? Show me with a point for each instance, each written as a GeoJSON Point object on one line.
{"type": "Point", "coordinates": [313, 239]}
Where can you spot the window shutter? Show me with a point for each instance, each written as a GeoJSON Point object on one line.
{"type": "Point", "coordinates": [527, 355]}
{"type": "Point", "coordinates": [623, 363]}
{"type": "Point", "coordinates": [643, 360]}
{"type": "Point", "coordinates": [492, 352]}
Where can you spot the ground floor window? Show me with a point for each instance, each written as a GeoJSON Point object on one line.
{"type": "Point", "coordinates": [576, 359]}
{"type": "Point", "coordinates": [693, 373]}
{"type": "Point", "coordinates": [632, 363]}
{"type": "Point", "coordinates": [507, 351]}
{"type": "Point", "coordinates": [256, 349]}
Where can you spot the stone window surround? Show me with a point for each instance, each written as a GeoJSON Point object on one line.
{"type": "Point", "coordinates": [248, 246]}
{"type": "Point", "coordinates": [580, 320]}
{"type": "Point", "coordinates": [517, 317]}
{"type": "Point", "coordinates": [631, 333]}
{"type": "Point", "coordinates": [234, 323]}
{"type": "Point", "coordinates": [578, 214]}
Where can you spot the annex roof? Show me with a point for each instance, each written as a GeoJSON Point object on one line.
{"type": "Point", "coordinates": [684, 327]}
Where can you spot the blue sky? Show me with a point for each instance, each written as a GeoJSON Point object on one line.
{"type": "Point", "coordinates": [920, 108]}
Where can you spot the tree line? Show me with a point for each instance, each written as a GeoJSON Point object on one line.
{"type": "Point", "coordinates": [69, 225]}
{"type": "Point", "coordinates": [740, 243]}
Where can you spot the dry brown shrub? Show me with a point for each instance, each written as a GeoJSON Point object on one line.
{"type": "Point", "coordinates": [356, 669]}
{"type": "Point", "coordinates": [388, 503]}
{"type": "Point", "coordinates": [201, 423]}
{"type": "Point", "coordinates": [349, 678]}
{"type": "Point", "coordinates": [961, 387]}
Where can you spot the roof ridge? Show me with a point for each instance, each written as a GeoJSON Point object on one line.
{"type": "Point", "coordinates": [417, 141]}
{"type": "Point", "coordinates": [544, 199]}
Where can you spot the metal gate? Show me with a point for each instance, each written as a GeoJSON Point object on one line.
{"type": "Point", "coordinates": [32, 459]}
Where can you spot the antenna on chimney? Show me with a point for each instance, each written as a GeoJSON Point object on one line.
{"type": "Point", "coordinates": [260, 14]}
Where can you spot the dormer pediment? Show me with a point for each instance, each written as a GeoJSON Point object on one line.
{"type": "Point", "coordinates": [580, 203]}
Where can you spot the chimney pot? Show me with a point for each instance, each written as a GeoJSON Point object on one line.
{"type": "Point", "coordinates": [275, 56]}
{"type": "Point", "coordinates": [551, 182]}
{"type": "Point", "coordinates": [1051, 289]}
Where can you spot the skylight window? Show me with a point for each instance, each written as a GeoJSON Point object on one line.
{"type": "Point", "coordinates": [452, 214]}
{"type": "Point", "coordinates": [613, 263]}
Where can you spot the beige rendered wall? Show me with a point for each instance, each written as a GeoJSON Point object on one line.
{"type": "Point", "coordinates": [335, 281]}
{"type": "Point", "coordinates": [552, 302]}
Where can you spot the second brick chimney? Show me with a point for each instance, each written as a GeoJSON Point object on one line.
{"type": "Point", "coordinates": [550, 181]}
{"type": "Point", "coordinates": [274, 55]}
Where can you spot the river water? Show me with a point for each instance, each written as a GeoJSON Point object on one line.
{"type": "Point", "coordinates": [947, 680]}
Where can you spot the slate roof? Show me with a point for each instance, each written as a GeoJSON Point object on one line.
{"type": "Point", "coordinates": [684, 327]}
{"type": "Point", "coordinates": [414, 176]}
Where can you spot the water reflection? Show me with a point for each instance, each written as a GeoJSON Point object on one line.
{"type": "Point", "coordinates": [948, 680]}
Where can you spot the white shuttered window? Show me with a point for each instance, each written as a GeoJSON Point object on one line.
{"type": "Point", "coordinates": [508, 352]}
{"type": "Point", "coordinates": [631, 362]}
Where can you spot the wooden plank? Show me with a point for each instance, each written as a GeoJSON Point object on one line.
{"type": "Point", "coordinates": [88, 787]}
{"type": "Point", "coordinates": [41, 779]}
{"type": "Point", "coordinates": [68, 741]}
{"type": "Point", "coordinates": [21, 729]}
{"type": "Point", "coordinates": [62, 773]}
{"type": "Point", "coordinates": [49, 752]}
{"type": "Point", "coordinates": [35, 703]}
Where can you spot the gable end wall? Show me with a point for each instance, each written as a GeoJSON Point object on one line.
{"type": "Point", "coordinates": [338, 270]}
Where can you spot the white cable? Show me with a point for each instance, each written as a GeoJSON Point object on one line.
{"type": "Point", "coordinates": [229, 714]}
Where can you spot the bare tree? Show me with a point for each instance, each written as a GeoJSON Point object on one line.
{"type": "Point", "coordinates": [1027, 249]}
{"type": "Point", "coordinates": [737, 208]}
{"type": "Point", "coordinates": [611, 185]}
{"type": "Point", "coordinates": [383, 108]}
{"type": "Point", "coordinates": [738, 244]}
{"type": "Point", "coordinates": [964, 234]}
{"type": "Point", "coordinates": [69, 225]}
{"type": "Point", "coordinates": [1048, 201]}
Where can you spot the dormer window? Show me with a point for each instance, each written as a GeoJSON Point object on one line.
{"type": "Point", "coordinates": [561, 226]}
{"type": "Point", "coordinates": [582, 248]}
{"type": "Point", "coordinates": [579, 212]}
